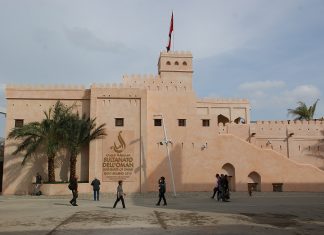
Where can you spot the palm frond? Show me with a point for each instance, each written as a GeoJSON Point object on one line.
{"type": "Point", "coordinates": [302, 112]}
{"type": "Point", "coordinates": [31, 150]}
{"type": "Point", "coordinates": [312, 109]}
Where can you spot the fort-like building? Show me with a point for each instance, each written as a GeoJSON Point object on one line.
{"type": "Point", "coordinates": [205, 137]}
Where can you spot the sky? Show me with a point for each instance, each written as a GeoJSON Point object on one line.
{"type": "Point", "coordinates": [270, 52]}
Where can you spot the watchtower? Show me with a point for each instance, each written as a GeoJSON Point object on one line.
{"type": "Point", "coordinates": [177, 67]}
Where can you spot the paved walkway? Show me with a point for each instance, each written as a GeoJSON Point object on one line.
{"type": "Point", "coordinates": [188, 213]}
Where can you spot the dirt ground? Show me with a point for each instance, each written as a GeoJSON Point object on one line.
{"type": "Point", "coordinates": [188, 213]}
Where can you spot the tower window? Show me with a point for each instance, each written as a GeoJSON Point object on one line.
{"type": "Point", "coordinates": [182, 122]}
{"type": "Point", "coordinates": [168, 63]}
{"type": "Point", "coordinates": [19, 122]}
{"type": "Point", "coordinates": [184, 63]}
{"type": "Point", "coordinates": [205, 122]}
{"type": "Point", "coordinates": [176, 63]}
{"type": "Point", "coordinates": [157, 122]}
{"type": "Point", "coordinates": [119, 121]}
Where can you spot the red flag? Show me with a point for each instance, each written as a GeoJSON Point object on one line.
{"type": "Point", "coordinates": [170, 33]}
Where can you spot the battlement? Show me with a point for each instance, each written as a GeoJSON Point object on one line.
{"type": "Point", "coordinates": [140, 79]}
{"type": "Point", "coordinates": [44, 87]}
{"type": "Point", "coordinates": [291, 122]}
{"type": "Point", "coordinates": [107, 85]}
{"type": "Point", "coordinates": [179, 54]}
{"type": "Point", "coordinates": [294, 129]}
{"type": "Point", "coordinates": [223, 100]}
{"type": "Point", "coordinates": [155, 82]}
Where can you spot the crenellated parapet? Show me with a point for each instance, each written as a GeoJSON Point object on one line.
{"type": "Point", "coordinates": [44, 87]}
{"type": "Point", "coordinates": [223, 100]}
{"type": "Point", "coordinates": [107, 85]}
{"type": "Point", "coordinates": [46, 92]}
{"type": "Point", "coordinates": [137, 79]}
{"type": "Point", "coordinates": [155, 83]}
{"type": "Point", "coordinates": [291, 122]}
{"type": "Point", "coordinates": [290, 128]}
{"type": "Point", "coordinates": [176, 53]}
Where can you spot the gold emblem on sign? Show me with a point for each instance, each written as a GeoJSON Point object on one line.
{"type": "Point", "coordinates": [121, 147]}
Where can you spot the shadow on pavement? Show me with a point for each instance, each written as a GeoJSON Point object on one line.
{"type": "Point", "coordinates": [207, 230]}
{"type": "Point", "coordinates": [62, 204]}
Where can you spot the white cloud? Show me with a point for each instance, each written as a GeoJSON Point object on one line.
{"type": "Point", "coordinates": [280, 99]}
{"type": "Point", "coordinates": [86, 39]}
{"type": "Point", "coordinates": [261, 85]}
{"type": "Point", "coordinates": [305, 93]}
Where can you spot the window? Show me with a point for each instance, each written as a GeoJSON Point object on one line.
{"type": "Point", "coordinates": [19, 122]}
{"type": "Point", "coordinates": [182, 122]}
{"type": "Point", "coordinates": [119, 121]}
{"type": "Point", "coordinates": [205, 122]}
{"type": "Point", "coordinates": [184, 63]}
{"type": "Point", "coordinates": [176, 63]}
{"type": "Point", "coordinates": [168, 63]}
{"type": "Point", "coordinates": [157, 122]}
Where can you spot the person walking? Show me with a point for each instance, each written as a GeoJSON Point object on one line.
{"type": "Point", "coordinates": [216, 188]}
{"type": "Point", "coordinates": [96, 188]}
{"type": "Point", "coordinates": [220, 187]}
{"type": "Point", "coordinates": [162, 190]}
{"type": "Point", "coordinates": [38, 184]}
{"type": "Point", "coordinates": [120, 194]}
{"type": "Point", "coordinates": [225, 190]}
{"type": "Point", "coordinates": [73, 186]}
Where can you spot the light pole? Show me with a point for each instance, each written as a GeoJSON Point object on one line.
{"type": "Point", "coordinates": [166, 142]}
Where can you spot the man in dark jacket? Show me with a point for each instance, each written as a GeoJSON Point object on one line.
{"type": "Point", "coordinates": [74, 188]}
{"type": "Point", "coordinates": [162, 189]}
{"type": "Point", "coordinates": [96, 187]}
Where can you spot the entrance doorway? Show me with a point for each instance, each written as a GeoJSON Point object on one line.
{"type": "Point", "coordinates": [254, 181]}
{"type": "Point", "coordinates": [229, 170]}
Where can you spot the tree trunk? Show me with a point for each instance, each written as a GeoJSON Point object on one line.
{"type": "Point", "coordinates": [51, 169]}
{"type": "Point", "coordinates": [73, 161]}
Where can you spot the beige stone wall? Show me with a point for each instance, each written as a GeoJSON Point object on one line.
{"type": "Point", "coordinates": [263, 152]}
{"type": "Point", "coordinates": [29, 104]}
{"type": "Point", "coordinates": [300, 141]}
{"type": "Point", "coordinates": [232, 109]}
{"type": "Point", "coordinates": [106, 105]}
{"type": "Point", "coordinates": [195, 166]}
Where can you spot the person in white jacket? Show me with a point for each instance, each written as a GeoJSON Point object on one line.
{"type": "Point", "coordinates": [120, 194]}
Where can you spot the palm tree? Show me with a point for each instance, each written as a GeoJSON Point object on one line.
{"type": "Point", "coordinates": [79, 131]}
{"type": "Point", "coordinates": [302, 112]}
{"type": "Point", "coordinates": [44, 136]}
